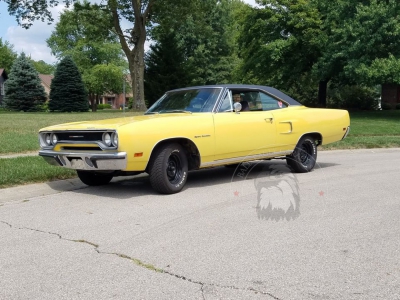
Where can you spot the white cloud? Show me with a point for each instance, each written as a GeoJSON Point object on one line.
{"type": "Point", "coordinates": [32, 41]}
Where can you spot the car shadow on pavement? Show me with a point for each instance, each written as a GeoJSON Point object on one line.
{"type": "Point", "coordinates": [134, 186]}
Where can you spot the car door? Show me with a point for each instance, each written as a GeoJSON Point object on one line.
{"type": "Point", "coordinates": [242, 134]}
{"type": "Point", "coordinates": [285, 122]}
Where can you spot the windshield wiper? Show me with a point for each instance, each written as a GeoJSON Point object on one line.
{"type": "Point", "coordinates": [175, 111]}
{"type": "Point", "coordinates": [152, 112]}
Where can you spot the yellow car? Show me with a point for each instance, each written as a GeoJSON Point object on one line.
{"type": "Point", "coordinates": [194, 128]}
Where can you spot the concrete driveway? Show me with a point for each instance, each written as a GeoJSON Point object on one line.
{"type": "Point", "coordinates": [257, 232]}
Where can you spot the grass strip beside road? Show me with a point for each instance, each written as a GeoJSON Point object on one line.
{"type": "Point", "coordinates": [30, 169]}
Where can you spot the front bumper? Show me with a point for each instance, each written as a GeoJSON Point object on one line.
{"type": "Point", "coordinates": [86, 160]}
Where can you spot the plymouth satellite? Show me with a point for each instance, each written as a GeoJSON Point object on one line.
{"type": "Point", "coordinates": [195, 128]}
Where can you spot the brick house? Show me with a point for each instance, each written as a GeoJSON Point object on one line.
{"type": "Point", "coordinates": [3, 78]}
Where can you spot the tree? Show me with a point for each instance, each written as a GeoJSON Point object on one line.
{"type": "Point", "coordinates": [165, 68]}
{"type": "Point", "coordinates": [281, 42]}
{"type": "Point", "coordinates": [42, 67]}
{"type": "Point", "coordinates": [195, 49]}
{"type": "Point", "coordinates": [24, 90]}
{"type": "Point", "coordinates": [7, 55]}
{"type": "Point", "coordinates": [85, 35]}
{"type": "Point", "coordinates": [67, 91]}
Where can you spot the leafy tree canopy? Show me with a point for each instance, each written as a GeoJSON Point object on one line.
{"type": "Point", "coordinates": [7, 55]}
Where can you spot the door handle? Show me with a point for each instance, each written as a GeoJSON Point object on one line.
{"type": "Point", "coordinates": [269, 119]}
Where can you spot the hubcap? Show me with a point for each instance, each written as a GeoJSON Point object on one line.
{"type": "Point", "coordinates": [306, 153]}
{"type": "Point", "coordinates": [174, 169]}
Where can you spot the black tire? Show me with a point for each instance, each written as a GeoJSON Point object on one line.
{"type": "Point", "coordinates": [304, 156]}
{"type": "Point", "coordinates": [94, 178]}
{"type": "Point", "coordinates": [168, 169]}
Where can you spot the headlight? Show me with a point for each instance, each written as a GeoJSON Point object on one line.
{"type": "Point", "coordinates": [54, 139]}
{"type": "Point", "coordinates": [47, 139]}
{"type": "Point", "coordinates": [115, 139]}
{"type": "Point", "coordinates": [107, 139]}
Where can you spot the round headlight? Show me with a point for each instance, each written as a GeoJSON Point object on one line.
{"type": "Point", "coordinates": [107, 139]}
{"type": "Point", "coordinates": [54, 139]}
{"type": "Point", "coordinates": [47, 139]}
{"type": "Point", "coordinates": [115, 139]}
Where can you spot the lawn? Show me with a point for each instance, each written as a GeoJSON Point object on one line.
{"type": "Point", "coordinates": [19, 133]}
{"type": "Point", "coordinates": [372, 129]}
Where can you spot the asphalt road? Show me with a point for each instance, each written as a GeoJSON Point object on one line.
{"type": "Point", "coordinates": [217, 239]}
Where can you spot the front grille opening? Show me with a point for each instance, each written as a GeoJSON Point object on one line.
{"type": "Point", "coordinates": [81, 148]}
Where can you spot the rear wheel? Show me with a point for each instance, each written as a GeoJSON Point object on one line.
{"type": "Point", "coordinates": [168, 169]}
{"type": "Point", "coordinates": [304, 156]}
{"type": "Point", "coordinates": [94, 178]}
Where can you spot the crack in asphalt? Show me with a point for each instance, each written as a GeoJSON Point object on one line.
{"type": "Point", "coordinates": [147, 266]}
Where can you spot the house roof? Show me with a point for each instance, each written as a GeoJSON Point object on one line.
{"type": "Point", "coordinates": [46, 79]}
{"type": "Point", "coordinates": [3, 73]}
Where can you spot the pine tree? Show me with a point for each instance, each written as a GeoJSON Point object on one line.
{"type": "Point", "coordinates": [23, 89]}
{"type": "Point", "coordinates": [67, 91]}
{"type": "Point", "coordinates": [165, 69]}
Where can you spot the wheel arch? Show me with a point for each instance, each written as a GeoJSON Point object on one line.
{"type": "Point", "coordinates": [315, 135]}
{"type": "Point", "coordinates": [192, 152]}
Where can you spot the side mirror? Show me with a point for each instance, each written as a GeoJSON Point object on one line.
{"type": "Point", "coordinates": [237, 107]}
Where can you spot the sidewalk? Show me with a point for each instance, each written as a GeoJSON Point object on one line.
{"type": "Point", "coordinates": [15, 155]}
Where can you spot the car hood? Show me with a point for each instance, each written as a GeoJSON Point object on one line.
{"type": "Point", "coordinates": [113, 123]}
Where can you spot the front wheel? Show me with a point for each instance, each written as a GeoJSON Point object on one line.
{"type": "Point", "coordinates": [168, 169]}
{"type": "Point", "coordinates": [304, 156]}
{"type": "Point", "coordinates": [94, 178]}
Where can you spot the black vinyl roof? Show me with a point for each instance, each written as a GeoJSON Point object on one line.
{"type": "Point", "coordinates": [269, 90]}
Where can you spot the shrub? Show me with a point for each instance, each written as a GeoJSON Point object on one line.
{"type": "Point", "coordinates": [353, 97]}
{"type": "Point", "coordinates": [104, 106]}
{"type": "Point", "coordinates": [386, 106]}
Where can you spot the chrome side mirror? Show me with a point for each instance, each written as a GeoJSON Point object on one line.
{"type": "Point", "coordinates": [237, 107]}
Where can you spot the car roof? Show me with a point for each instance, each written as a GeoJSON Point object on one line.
{"type": "Point", "coordinates": [269, 90]}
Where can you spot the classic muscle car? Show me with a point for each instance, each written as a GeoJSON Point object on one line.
{"type": "Point", "coordinates": [194, 128]}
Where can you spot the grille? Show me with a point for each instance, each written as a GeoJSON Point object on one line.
{"type": "Point", "coordinates": [80, 136]}
{"type": "Point", "coordinates": [82, 148]}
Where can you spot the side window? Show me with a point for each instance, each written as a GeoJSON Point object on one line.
{"type": "Point", "coordinates": [269, 103]}
{"type": "Point", "coordinates": [226, 103]}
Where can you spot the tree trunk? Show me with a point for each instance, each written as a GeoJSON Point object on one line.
{"type": "Point", "coordinates": [322, 90]}
{"type": "Point", "coordinates": [93, 102]}
{"type": "Point", "coordinates": [137, 74]}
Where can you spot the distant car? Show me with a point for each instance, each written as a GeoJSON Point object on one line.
{"type": "Point", "coordinates": [195, 128]}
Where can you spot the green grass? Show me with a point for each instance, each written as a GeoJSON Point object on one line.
{"type": "Point", "coordinates": [18, 134]}
{"type": "Point", "coordinates": [373, 129]}
{"type": "Point", "coordinates": [30, 169]}
{"type": "Point", "coordinates": [19, 131]}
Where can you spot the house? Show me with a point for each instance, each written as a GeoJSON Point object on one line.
{"type": "Point", "coordinates": [3, 78]}
{"type": "Point", "coordinates": [46, 82]}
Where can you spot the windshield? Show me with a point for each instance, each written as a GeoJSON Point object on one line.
{"type": "Point", "coordinates": [194, 100]}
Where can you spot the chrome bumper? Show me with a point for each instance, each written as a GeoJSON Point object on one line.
{"type": "Point", "coordinates": [86, 161]}
{"type": "Point", "coordinates": [347, 132]}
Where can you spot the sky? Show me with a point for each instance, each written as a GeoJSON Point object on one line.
{"type": "Point", "coordinates": [33, 40]}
